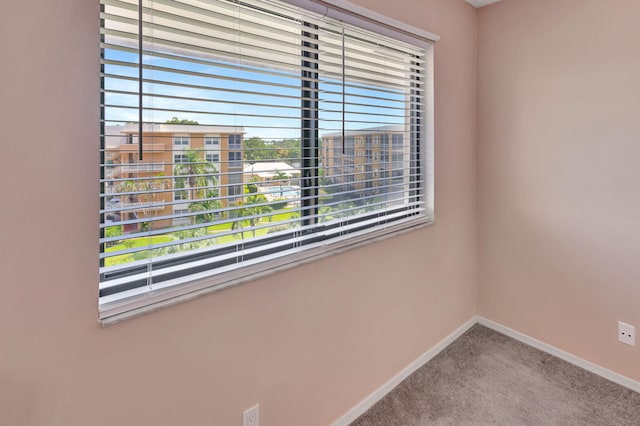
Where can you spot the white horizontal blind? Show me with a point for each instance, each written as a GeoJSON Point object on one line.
{"type": "Point", "coordinates": [267, 131]}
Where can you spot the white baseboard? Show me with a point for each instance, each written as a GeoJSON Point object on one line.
{"type": "Point", "coordinates": [379, 393]}
{"type": "Point", "coordinates": [566, 356]}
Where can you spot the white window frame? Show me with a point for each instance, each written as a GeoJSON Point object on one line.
{"type": "Point", "coordinates": [213, 160]}
{"type": "Point", "coordinates": [179, 141]}
{"type": "Point", "coordinates": [197, 283]}
{"type": "Point", "coordinates": [178, 158]}
{"type": "Point", "coordinates": [208, 141]}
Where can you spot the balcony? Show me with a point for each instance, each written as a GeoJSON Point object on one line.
{"type": "Point", "coordinates": [115, 205]}
{"type": "Point", "coordinates": [112, 172]}
{"type": "Point", "coordinates": [144, 207]}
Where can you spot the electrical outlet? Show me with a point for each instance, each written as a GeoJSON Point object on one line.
{"type": "Point", "coordinates": [626, 333]}
{"type": "Point", "coordinates": [251, 417]}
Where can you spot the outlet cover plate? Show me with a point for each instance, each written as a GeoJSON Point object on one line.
{"type": "Point", "coordinates": [251, 416]}
{"type": "Point", "coordinates": [626, 333]}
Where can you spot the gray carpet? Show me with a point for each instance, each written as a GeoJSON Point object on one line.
{"type": "Point", "coordinates": [487, 378]}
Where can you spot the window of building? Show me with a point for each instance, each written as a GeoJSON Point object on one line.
{"type": "Point", "coordinates": [212, 141]}
{"type": "Point", "coordinates": [180, 217]}
{"type": "Point", "coordinates": [180, 140]}
{"type": "Point", "coordinates": [235, 186]}
{"type": "Point", "coordinates": [180, 158]}
{"type": "Point", "coordinates": [397, 141]}
{"type": "Point", "coordinates": [235, 159]}
{"type": "Point", "coordinates": [212, 158]}
{"type": "Point", "coordinates": [235, 141]}
{"type": "Point", "coordinates": [179, 193]}
{"type": "Point", "coordinates": [310, 84]}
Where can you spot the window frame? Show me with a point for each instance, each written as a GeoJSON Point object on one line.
{"type": "Point", "coordinates": [181, 139]}
{"type": "Point", "coordinates": [201, 282]}
{"type": "Point", "coordinates": [209, 138]}
{"type": "Point", "coordinates": [213, 157]}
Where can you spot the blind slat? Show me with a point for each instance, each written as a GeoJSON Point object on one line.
{"type": "Point", "coordinates": [245, 108]}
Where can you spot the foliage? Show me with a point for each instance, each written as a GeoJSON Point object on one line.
{"type": "Point", "coordinates": [176, 120]}
{"type": "Point", "coordinates": [282, 215]}
{"type": "Point", "coordinates": [252, 206]}
{"type": "Point", "coordinates": [287, 149]}
{"type": "Point", "coordinates": [157, 183]}
{"type": "Point", "coordinates": [119, 260]}
{"type": "Point", "coordinates": [187, 245]}
{"type": "Point", "coordinates": [145, 191]}
{"type": "Point", "coordinates": [197, 171]}
{"type": "Point", "coordinates": [207, 206]}
{"type": "Point", "coordinates": [133, 243]}
{"type": "Point", "coordinates": [325, 213]}
{"type": "Point", "coordinates": [113, 231]}
{"type": "Point", "coordinates": [255, 149]}
{"type": "Point", "coordinates": [279, 205]}
{"type": "Point", "coordinates": [278, 228]}
{"type": "Point", "coordinates": [280, 176]}
{"type": "Point", "coordinates": [252, 188]}
{"type": "Point", "coordinates": [324, 180]}
{"type": "Point", "coordinates": [255, 206]}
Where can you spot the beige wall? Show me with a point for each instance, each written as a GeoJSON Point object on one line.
{"type": "Point", "coordinates": [558, 156]}
{"type": "Point", "coordinates": [306, 344]}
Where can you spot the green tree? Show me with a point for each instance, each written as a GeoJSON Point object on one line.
{"type": "Point", "coordinates": [255, 149]}
{"type": "Point", "coordinates": [208, 206]}
{"type": "Point", "coordinates": [198, 172]}
{"type": "Point", "coordinates": [254, 207]}
{"type": "Point", "coordinates": [287, 150]}
{"type": "Point", "coordinates": [176, 120]}
{"type": "Point", "coordinates": [146, 192]}
{"type": "Point", "coordinates": [325, 213]}
{"type": "Point", "coordinates": [280, 177]}
{"type": "Point", "coordinates": [252, 187]}
{"type": "Point", "coordinates": [199, 234]}
{"type": "Point", "coordinates": [113, 231]}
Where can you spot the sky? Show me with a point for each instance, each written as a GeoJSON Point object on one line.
{"type": "Point", "coordinates": [263, 101]}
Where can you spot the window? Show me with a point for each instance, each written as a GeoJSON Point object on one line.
{"type": "Point", "coordinates": [235, 186]}
{"type": "Point", "coordinates": [235, 141]}
{"type": "Point", "coordinates": [235, 159]}
{"type": "Point", "coordinates": [397, 141]}
{"type": "Point", "coordinates": [312, 90]}
{"type": "Point", "coordinates": [180, 217]}
{"type": "Point", "coordinates": [179, 193]}
{"type": "Point", "coordinates": [212, 140]}
{"type": "Point", "coordinates": [180, 158]}
{"type": "Point", "coordinates": [180, 140]}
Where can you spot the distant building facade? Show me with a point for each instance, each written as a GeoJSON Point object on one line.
{"type": "Point", "coordinates": [265, 171]}
{"type": "Point", "coordinates": [368, 160]}
{"type": "Point", "coordinates": [165, 148]}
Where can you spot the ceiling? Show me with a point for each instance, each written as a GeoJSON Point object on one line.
{"type": "Point", "coordinates": [480, 3]}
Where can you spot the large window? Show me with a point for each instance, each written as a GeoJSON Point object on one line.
{"type": "Point", "coordinates": [322, 128]}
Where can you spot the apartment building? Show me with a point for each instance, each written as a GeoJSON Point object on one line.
{"type": "Point", "coordinates": [167, 168]}
{"type": "Point", "coordinates": [368, 160]}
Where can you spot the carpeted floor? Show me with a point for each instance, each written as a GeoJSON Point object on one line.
{"type": "Point", "coordinates": [487, 378]}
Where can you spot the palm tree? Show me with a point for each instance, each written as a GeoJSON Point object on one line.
{"type": "Point", "coordinates": [208, 206]}
{"type": "Point", "coordinates": [148, 191]}
{"type": "Point", "coordinates": [253, 207]}
{"type": "Point", "coordinates": [280, 177]}
{"type": "Point", "coordinates": [325, 213]}
{"type": "Point", "coordinates": [196, 170]}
